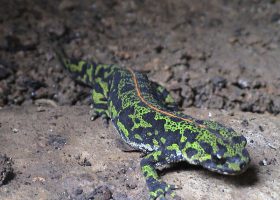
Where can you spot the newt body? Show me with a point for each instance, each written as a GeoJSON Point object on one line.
{"type": "Point", "coordinates": [146, 117]}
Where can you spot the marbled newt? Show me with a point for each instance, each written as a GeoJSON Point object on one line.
{"type": "Point", "coordinates": [146, 117]}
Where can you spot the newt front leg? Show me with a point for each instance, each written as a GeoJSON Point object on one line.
{"type": "Point", "coordinates": [158, 188]}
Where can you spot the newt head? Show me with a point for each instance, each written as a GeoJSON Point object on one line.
{"type": "Point", "coordinates": [218, 148]}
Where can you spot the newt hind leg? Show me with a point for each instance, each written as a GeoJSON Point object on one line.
{"type": "Point", "coordinates": [99, 106]}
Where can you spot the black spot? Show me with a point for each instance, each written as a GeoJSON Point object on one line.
{"type": "Point", "coordinates": [226, 166]}
{"type": "Point", "coordinates": [191, 152]}
{"type": "Point", "coordinates": [221, 149]}
{"type": "Point", "coordinates": [191, 137]}
{"type": "Point", "coordinates": [237, 140]}
{"type": "Point", "coordinates": [207, 147]}
{"type": "Point", "coordinates": [234, 159]}
{"type": "Point", "coordinates": [209, 164]}
{"type": "Point", "coordinates": [199, 121]}
{"type": "Point", "coordinates": [137, 121]}
{"type": "Point", "coordinates": [245, 153]}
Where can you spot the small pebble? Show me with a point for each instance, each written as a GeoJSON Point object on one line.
{"type": "Point", "coordinates": [275, 17]}
{"type": "Point", "coordinates": [261, 128]}
{"type": "Point", "coordinates": [263, 162]}
{"type": "Point", "coordinates": [219, 81]}
{"type": "Point", "coordinates": [78, 191]}
{"type": "Point", "coordinates": [15, 130]}
{"type": "Point", "coordinates": [243, 83]}
{"type": "Point", "coordinates": [41, 109]}
{"type": "Point", "coordinates": [245, 123]}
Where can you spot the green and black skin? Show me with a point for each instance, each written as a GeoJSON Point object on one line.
{"type": "Point", "coordinates": [147, 119]}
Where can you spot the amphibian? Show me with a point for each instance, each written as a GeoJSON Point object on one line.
{"type": "Point", "coordinates": [146, 117]}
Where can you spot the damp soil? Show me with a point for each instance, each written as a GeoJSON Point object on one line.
{"type": "Point", "coordinates": [211, 55]}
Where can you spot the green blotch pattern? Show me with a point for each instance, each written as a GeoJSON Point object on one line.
{"type": "Point", "coordinates": [90, 72]}
{"type": "Point", "coordinates": [155, 142]}
{"type": "Point", "coordinates": [173, 147]}
{"type": "Point", "coordinates": [104, 87]}
{"type": "Point", "coordinates": [149, 172]}
{"type": "Point", "coordinates": [98, 97]}
{"type": "Point", "coordinates": [163, 140]}
{"type": "Point", "coordinates": [139, 124]}
{"type": "Point", "coordinates": [137, 136]}
{"type": "Point", "coordinates": [122, 128]}
{"type": "Point", "coordinates": [137, 117]}
{"type": "Point", "coordinates": [173, 126]}
{"type": "Point", "coordinates": [113, 111]}
{"type": "Point", "coordinates": [76, 67]}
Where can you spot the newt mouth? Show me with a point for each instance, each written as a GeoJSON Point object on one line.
{"type": "Point", "coordinates": [225, 168]}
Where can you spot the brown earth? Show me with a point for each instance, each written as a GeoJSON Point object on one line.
{"type": "Point", "coordinates": [209, 54]}
{"type": "Point", "coordinates": [212, 55]}
{"type": "Point", "coordinates": [58, 153]}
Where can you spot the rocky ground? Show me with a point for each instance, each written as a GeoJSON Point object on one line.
{"type": "Point", "coordinates": [212, 55]}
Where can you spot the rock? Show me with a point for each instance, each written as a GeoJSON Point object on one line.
{"type": "Point", "coordinates": [244, 83]}
{"type": "Point", "coordinates": [188, 95]}
{"type": "Point", "coordinates": [152, 65]}
{"type": "Point", "coordinates": [219, 82]}
{"type": "Point", "coordinates": [56, 141]}
{"type": "Point", "coordinates": [12, 43]}
{"type": "Point", "coordinates": [253, 39]}
{"type": "Point", "coordinates": [201, 97]}
{"type": "Point", "coordinates": [29, 41]}
{"type": "Point", "coordinates": [78, 191]}
{"type": "Point", "coordinates": [275, 18]}
{"type": "Point", "coordinates": [179, 72]}
{"type": "Point", "coordinates": [67, 5]}
{"type": "Point", "coordinates": [84, 162]}
{"type": "Point", "coordinates": [55, 28]}
{"type": "Point", "coordinates": [4, 72]}
{"type": "Point", "coordinates": [214, 22]}
{"type": "Point", "coordinates": [174, 85]}
{"type": "Point", "coordinates": [33, 84]}
{"type": "Point", "coordinates": [123, 55]}
{"type": "Point", "coordinates": [102, 192]}
{"type": "Point", "coordinates": [176, 96]}
{"type": "Point", "coordinates": [275, 105]}
{"type": "Point", "coordinates": [6, 170]}
{"type": "Point", "coordinates": [233, 40]}
{"type": "Point", "coordinates": [245, 123]}
{"type": "Point", "coordinates": [197, 83]}
{"type": "Point", "coordinates": [257, 84]}
{"type": "Point", "coordinates": [216, 102]}
{"type": "Point", "coordinates": [159, 48]}
{"type": "Point", "coordinates": [261, 102]}
{"type": "Point", "coordinates": [40, 93]}
{"type": "Point", "coordinates": [161, 76]}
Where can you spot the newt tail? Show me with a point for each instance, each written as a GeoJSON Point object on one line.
{"type": "Point", "coordinates": [147, 118]}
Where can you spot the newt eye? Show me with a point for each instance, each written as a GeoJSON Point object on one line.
{"type": "Point", "coordinates": [218, 159]}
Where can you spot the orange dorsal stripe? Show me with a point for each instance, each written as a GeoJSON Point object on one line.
{"type": "Point", "coordinates": [139, 94]}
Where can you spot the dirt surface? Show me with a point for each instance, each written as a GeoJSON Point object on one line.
{"type": "Point", "coordinates": [212, 55]}
{"type": "Point", "coordinates": [58, 153]}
